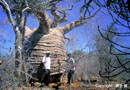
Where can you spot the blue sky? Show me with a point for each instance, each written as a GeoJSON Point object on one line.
{"type": "Point", "coordinates": [80, 36]}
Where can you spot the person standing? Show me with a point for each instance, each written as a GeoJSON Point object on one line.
{"type": "Point", "coordinates": [46, 71]}
{"type": "Point", "coordinates": [70, 68]}
{"type": "Point", "coordinates": [0, 62]}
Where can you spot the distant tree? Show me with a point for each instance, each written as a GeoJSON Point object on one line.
{"type": "Point", "coordinates": [104, 57]}
{"type": "Point", "coordinates": [87, 65]}
{"type": "Point", "coordinates": [78, 53]}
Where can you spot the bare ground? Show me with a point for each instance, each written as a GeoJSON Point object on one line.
{"type": "Point", "coordinates": [77, 85]}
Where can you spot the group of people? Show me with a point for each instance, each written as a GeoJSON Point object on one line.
{"type": "Point", "coordinates": [46, 66]}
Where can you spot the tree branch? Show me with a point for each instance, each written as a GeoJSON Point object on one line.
{"type": "Point", "coordinates": [44, 25]}
{"type": "Point", "coordinates": [58, 18]}
{"type": "Point", "coordinates": [8, 12]}
{"type": "Point", "coordinates": [114, 75]}
{"type": "Point", "coordinates": [27, 7]}
{"type": "Point", "coordinates": [111, 40]}
{"type": "Point", "coordinates": [82, 20]}
{"type": "Point", "coordinates": [120, 51]}
{"type": "Point", "coordinates": [56, 15]}
{"type": "Point", "coordinates": [48, 19]}
{"type": "Point", "coordinates": [54, 2]}
{"type": "Point", "coordinates": [122, 65]}
{"type": "Point", "coordinates": [67, 28]}
{"type": "Point", "coordinates": [67, 38]}
{"type": "Point", "coordinates": [63, 19]}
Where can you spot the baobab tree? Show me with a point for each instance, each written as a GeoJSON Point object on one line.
{"type": "Point", "coordinates": [31, 45]}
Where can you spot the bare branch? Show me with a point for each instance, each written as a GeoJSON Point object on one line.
{"type": "Point", "coordinates": [121, 52]}
{"type": "Point", "coordinates": [67, 38]}
{"type": "Point", "coordinates": [63, 19]}
{"type": "Point", "coordinates": [114, 75]}
{"type": "Point", "coordinates": [92, 15]}
{"type": "Point", "coordinates": [8, 11]}
{"type": "Point", "coordinates": [54, 2]}
{"type": "Point", "coordinates": [82, 20]}
{"type": "Point", "coordinates": [48, 19]}
{"type": "Point", "coordinates": [119, 34]}
{"type": "Point", "coordinates": [27, 8]}
{"type": "Point", "coordinates": [119, 65]}
{"type": "Point", "coordinates": [56, 15]}
{"type": "Point", "coordinates": [111, 40]}
{"type": "Point", "coordinates": [42, 17]}
{"type": "Point", "coordinates": [67, 28]}
{"type": "Point", "coordinates": [122, 65]}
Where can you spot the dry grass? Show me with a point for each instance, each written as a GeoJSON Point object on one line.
{"type": "Point", "coordinates": [77, 85]}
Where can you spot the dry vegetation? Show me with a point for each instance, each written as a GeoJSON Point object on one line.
{"type": "Point", "coordinates": [94, 71]}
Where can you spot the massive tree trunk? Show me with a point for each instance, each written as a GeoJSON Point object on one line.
{"type": "Point", "coordinates": [53, 41]}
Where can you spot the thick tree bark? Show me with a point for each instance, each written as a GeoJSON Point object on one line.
{"type": "Point", "coordinates": [18, 27]}
{"type": "Point", "coordinates": [18, 52]}
{"type": "Point", "coordinates": [41, 43]}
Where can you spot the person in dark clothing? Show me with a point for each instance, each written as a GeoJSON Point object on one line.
{"type": "Point", "coordinates": [70, 68]}
{"type": "Point", "coordinates": [44, 71]}
{"type": "Point", "coordinates": [46, 77]}
{"type": "Point", "coordinates": [40, 73]}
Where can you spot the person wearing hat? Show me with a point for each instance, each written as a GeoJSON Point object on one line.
{"type": "Point", "coordinates": [0, 62]}
{"type": "Point", "coordinates": [70, 68]}
{"type": "Point", "coordinates": [46, 71]}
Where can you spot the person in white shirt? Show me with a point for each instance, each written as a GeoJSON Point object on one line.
{"type": "Point", "coordinates": [46, 71]}
{"type": "Point", "coordinates": [0, 62]}
{"type": "Point", "coordinates": [70, 68]}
